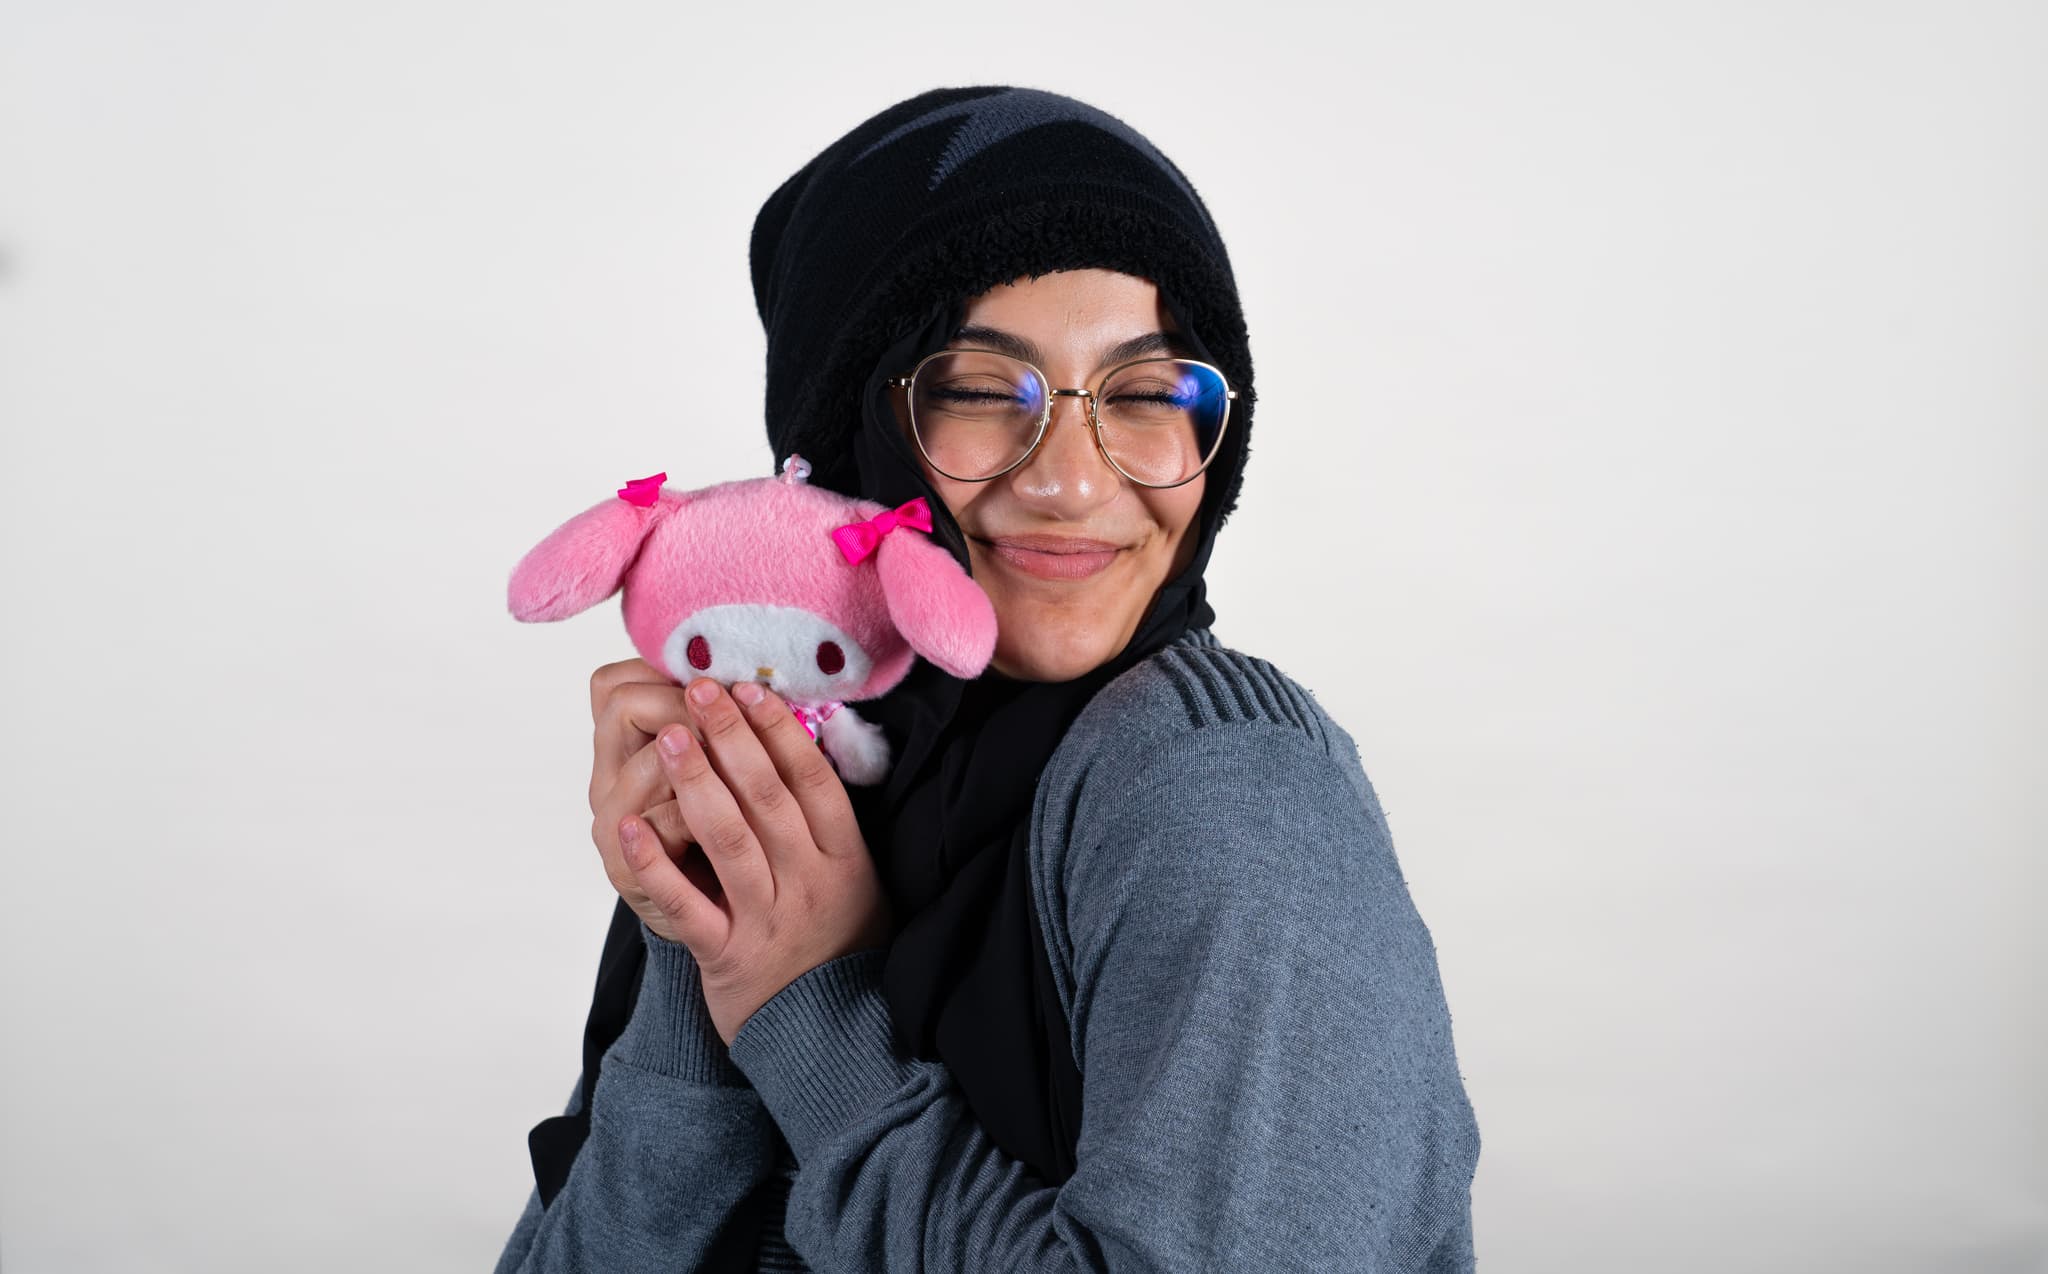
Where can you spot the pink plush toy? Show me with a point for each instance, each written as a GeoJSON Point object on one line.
{"type": "Point", "coordinates": [818, 596]}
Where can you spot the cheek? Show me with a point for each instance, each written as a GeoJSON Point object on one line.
{"type": "Point", "coordinates": [957, 495]}
{"type": "Point", "coordinates": [959, 498]}
{"type": "Point", "coordinates": [1178, 511]}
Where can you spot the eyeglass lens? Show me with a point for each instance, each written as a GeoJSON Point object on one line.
{"type": "Point", "coordinates": [976, 413]}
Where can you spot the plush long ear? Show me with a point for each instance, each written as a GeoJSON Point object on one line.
{"type": "Point", "coordinates": [937, 607]}
{"type": "Point", "coordinates": [583, 561]}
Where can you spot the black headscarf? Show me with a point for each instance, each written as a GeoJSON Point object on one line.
{"type": "Point", "coordinates": [968, 977]}
{"type": "Point", "coordinates": [850, 297]}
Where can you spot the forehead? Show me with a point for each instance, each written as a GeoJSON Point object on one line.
{"type": "Point", "coordinates": [1072, 305]}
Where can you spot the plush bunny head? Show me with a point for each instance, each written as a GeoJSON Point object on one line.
{"type": "Point", "coordinates": [819, 596]}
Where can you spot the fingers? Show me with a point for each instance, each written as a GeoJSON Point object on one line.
{"type": "Point", "coordinates": [756, 786]}
{"type": "Point", "coordinates": [626, 721]}
{"type": "Point", "coordinates": [642, 788]}
{"type": "Point", "coordinates": [609, 677]}
{"type": "Point", "coordinates": [716, 821]}
{"type": "Point", "coordinates": [645, 840]}
{"type": "Point", "coordinates": [699, 921]}
{"type": "Point", "coordinates": [804, 771]}
{"type": "Point", "coordinates": [670, 827]}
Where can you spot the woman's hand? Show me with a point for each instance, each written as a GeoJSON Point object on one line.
{"type": "Point", "coordinates": [630, 702]}
{"type": "Point", "coordinates": [792, 883]}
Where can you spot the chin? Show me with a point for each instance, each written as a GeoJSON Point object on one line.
{"type": "Point", "coordinates": [1054, 656]}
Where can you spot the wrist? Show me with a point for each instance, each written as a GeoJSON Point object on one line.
{"type": "Point", "coordinates": [671, 1032]}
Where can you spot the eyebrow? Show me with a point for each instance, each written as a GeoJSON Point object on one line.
{"type": "Point", "coordinates": [1150, 343]}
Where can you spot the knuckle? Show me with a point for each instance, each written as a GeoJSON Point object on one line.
{"type": "Point", "coordinates": [770, 718]}
{"type": "Point", "coordinates": [814, 774]}
{"type": "Point", "coordinates": [663, 897]}
{"type": "Point", "coordinates": [728, 838]}
{"type": "Point", "coordinates": [722, 722]}
{"type": "Point", "coordinates": [764, 792]}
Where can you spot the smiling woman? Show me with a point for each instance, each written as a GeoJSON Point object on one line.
{"type": "Point", "coordinates": [1070, 551]}
{"type": "Point", "coordinates": [1116, 969]}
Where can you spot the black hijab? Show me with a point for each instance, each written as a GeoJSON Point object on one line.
{"type": "Point", "coordinates": [1058, 185]}
{"type": "Point", "coordinates": [968, 977]}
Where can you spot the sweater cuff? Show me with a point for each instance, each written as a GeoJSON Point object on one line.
{"type": "Point", "coordinates": [670, 1032]}
{"type": "Point", "coordinates": [822, 1053]}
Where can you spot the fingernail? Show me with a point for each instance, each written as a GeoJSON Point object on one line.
{"type": "Point", "coordinates": [748, 692]}
{"type": "Point", "coordinates": [703, 692]}
{"type": "Point", "coordinates": [675, 740]}
{"type": "Point", "coordinates": [629, 838]}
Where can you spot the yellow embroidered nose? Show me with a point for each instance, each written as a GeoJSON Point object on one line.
{"type": "Point", "coordinates": [764, 673]}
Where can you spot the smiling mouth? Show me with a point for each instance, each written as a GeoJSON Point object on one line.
{"type": "Point", "coordinates": [1054, 557]}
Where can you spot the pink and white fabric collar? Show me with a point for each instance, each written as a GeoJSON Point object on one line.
{"type": "Point", "coordinates": [814, 715]}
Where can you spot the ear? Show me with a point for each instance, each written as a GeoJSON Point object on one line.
{"type": "Point", "coordinates": [937, 607]}
{"type": "Point", "coordinates": [584, 561]}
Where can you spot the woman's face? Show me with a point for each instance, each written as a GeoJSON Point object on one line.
{"type": "Point", "coordinates": [1070, 551]}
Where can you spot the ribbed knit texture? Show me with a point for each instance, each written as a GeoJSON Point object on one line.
{"type": "Point", "coordinates": [1270, 1080]}
{"type": "Point", "coordinates": [671, 1032]}
{"type": "Point", "coordinates": [774, 1254]}
{"type": "Point", "coordinates": [814, 1091]}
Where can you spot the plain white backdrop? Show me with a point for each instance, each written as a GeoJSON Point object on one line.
{"type": "Point", "coordinates": [1648, 473]}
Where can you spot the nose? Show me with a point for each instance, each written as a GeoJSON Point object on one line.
{"type": "Point", "coordinates": [1067, 476]}
{"type": "Point", "coordinates": [764, 673]}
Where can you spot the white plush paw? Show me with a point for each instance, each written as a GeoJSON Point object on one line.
{"type": "Point", "coordinates": [858, 748]}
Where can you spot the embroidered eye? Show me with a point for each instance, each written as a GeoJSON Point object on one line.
{"type": "Point", "coordinates": [830, 658]}
{"type": "Point", "coordinates": [699, 652]}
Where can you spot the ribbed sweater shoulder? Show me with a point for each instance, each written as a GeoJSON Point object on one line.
{"type": "Point", "coordinates": [1192, 753]}
{"type": "Point", "coordinates": [1197, 683]}
{"type": "Point", "coordinates": [1212, 683]}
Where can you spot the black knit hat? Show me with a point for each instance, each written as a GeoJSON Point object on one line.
{"type": "Point", "coordinates": [948, 194]}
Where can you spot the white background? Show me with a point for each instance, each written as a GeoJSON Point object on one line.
{"type": "Point", "coordinates": [1648, 472]}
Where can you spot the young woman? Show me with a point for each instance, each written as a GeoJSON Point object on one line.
{"type": "Point", "coordinates": [1117, 970]}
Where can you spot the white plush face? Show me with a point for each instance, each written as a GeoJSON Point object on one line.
{"type": "Point", "coordinates": [798, 655]}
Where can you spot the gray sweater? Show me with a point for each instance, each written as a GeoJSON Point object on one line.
{"type": "Point", "coordinates": [1269, 1081]}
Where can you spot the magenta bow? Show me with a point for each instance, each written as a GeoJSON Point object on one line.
{"type": "Point", "coordinates": [643, 492]}
{"type": "Point", "coordinates": [858, 539]}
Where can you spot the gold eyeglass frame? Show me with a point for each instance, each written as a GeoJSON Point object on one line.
{"type": "Point", "coordinates": [905, 381]}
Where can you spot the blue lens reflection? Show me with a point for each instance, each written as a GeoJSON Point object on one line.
{"type": "Point", "coordinates": [1030, 394]}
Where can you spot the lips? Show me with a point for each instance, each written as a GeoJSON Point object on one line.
{"type": "Point", "coordinates": [1055, 543]}
{"type": "Point", "coordinates": [1055, 556]}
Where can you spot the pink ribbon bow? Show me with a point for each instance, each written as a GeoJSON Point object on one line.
{"type": "Point", "coordinates": [858, 539]}
{"type": "Point", "coordinates": [643, 492]}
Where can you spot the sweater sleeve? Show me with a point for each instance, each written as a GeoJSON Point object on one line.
{"type": "Point", "coordinates": [678, 1143]}
{"type": "Point", "coordinates": [1269, 1081]}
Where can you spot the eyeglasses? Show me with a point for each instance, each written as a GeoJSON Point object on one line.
{"type": "Point", "coordinates": [977, 414]}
